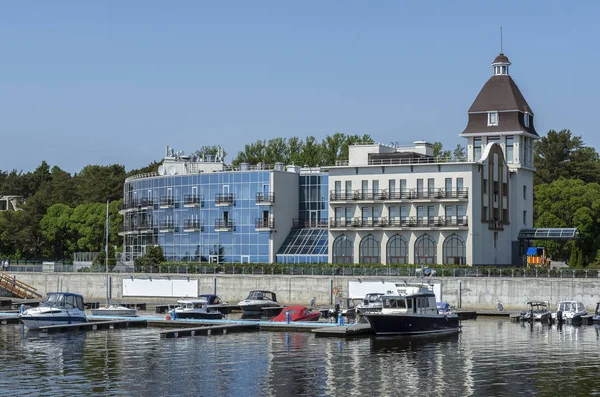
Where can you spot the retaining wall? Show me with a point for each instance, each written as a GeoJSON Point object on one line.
{"type": "Point", "coordinates": [465, 293]}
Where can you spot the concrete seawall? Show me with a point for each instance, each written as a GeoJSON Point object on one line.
{"type": "Point", "coordinates": [465, 293]}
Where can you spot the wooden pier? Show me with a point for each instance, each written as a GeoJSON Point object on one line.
{"type": "Point", "coordinates": [95, 325]}
{"type": "Point", "coordinates": [9, 320]}
{"type": "Point", "coordinates": [344, 331]}
{"type": "Point", "coordinates": [210, 330]}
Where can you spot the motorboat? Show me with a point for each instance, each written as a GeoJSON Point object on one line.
{"type": "Point", "coordinates": [372, 302]}
{"type": "Point", "coordinates": [344, 305]}
{"type": "Point", "coordinates": [412, 311]}
{"type": "Point", "coordinates": [110, 309]}
{"type": "Point", "coordinates": [569, 312]}
{"type": "Point", "coordinates": [538, 311]}
{"type": "Point", "coordinates": [114, 310]}
{"type": "Point", "coordinates": [214, 302]}
{"type": "Point", "coordinates": [58, 308]}
{"type": "Point", "coordinates": [257, 300]}
{"type": "Point", "coordinates": [196, 309]}
{"type": "Point", "coordinates": [444, 308]}
{"type": "Point", "coordinates": [297, 313]}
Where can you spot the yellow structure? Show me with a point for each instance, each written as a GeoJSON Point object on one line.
{"type": "Point", "coordinates": [536, 256]}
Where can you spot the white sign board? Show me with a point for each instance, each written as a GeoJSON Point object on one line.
{"type": "Point", "coordinates": [160, 287]}
{"type": "Point", "coordinates": [358, 290]}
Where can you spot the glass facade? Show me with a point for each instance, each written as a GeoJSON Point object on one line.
{"type": "Point", "coordinates": [199, 217]}
{"type": "Point", "coordinates": [314, 198]}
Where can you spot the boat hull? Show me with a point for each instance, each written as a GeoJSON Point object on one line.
{"type": "Point", "coordinates": [199, 315]}
{"type": "Point", "coordinates": [256, 308]}
{"type": "Point", "coordinates": [408, 324]}
{"type": "Point", "coordinates": [35, 322]}
{"type": "Point", "coordinates": [119, 312]}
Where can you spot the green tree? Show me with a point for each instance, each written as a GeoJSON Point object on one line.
{"type": "Point", "coordinates": [96, 183]}
{"type": "Point", "coordinates": [560, 154]}
{"type": "Point", "coordinates": [570, 203]}
{"type": "Point", "coordinates": [55, 230]}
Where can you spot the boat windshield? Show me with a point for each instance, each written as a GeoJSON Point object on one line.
{"type": "Point", "coordinates": [63, 301]}
{"type": "Point", "coordinates": [260, 295]}
{"type": "Point", "coordinates": [395, 303]}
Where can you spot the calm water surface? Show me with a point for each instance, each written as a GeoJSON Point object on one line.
{"type": "Point", "coordinates": [489, 358]}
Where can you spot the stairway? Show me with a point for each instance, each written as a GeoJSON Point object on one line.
{"type": "Point", "coordinates": [17, 288]}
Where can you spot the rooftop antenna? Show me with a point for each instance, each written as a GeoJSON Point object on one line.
{"type": "Point", "coordinates": [501, 40]}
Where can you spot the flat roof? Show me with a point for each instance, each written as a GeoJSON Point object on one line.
{"type": "Point", "coordinates": [549, 234]}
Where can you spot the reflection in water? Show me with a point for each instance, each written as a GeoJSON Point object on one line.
{"type": "Point", "coordinates": [489, 357]}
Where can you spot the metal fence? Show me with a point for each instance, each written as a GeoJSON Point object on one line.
{"type": "Point", "coordinates": [324, 270]}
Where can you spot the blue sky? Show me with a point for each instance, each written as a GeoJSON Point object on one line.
{"type": "Point", "coordinates": [115, 81]}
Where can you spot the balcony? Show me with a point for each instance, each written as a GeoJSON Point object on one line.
{"type": "Point", "coordinates": [222, 225]}
{"type": "Point", "coordinates": [167, 201]}
{"type": "Point", "coordinates": [193, 200]}
{"type": "Point", "coordinates": [136, 204]}
{"type": "Point", "coordinates": [401, 194]}
{"type": "Point", "coordinates": [341, 195]}
{"type": "Point", "coordinates": [166, 226]}
{"type": "Point", "coordinates": [264, 224]}
{"type": "Point", "coordinates": [265, 198]}
{"type": "Point", "coordinates": [193, 225]}
{"type": "Point", "coordinates": [136, 228]}
{"type": "Point", "coordinates": [398, 222]}
{"type": "Point", "coordinates": [460, 194]}
{"type": "Point", "coordinates": [224, 199]}
{"type": "Point", "coordinates": [298, 223]}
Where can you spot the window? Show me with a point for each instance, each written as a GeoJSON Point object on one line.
{"type": "Point", "coordinates": [510, 149]}
{"type": "Point", "coordinates": [455, 252]}
{"type": "Point", "coordinates": [476, 148]}
{"type": "Point", "coordinates": [526, 120]}
{"type": "Point", "coordinates": [342, 250]}
{"type": "Point", "coordinates": [425, 250]}
{"type": "Point", "coordinates": [492, 118]}
{"type": "Point", "coordinates": [524, 217]}
{"type": "Point", "coordinates": [485, 213]}
{"type": "Point", "coordinates": [524, 192]}
{"type": "Point", "coordinates": [369, 250]}
{"type": "Point", "coordinates": [485, 184]}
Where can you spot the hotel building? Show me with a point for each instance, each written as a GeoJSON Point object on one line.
{"type": "Point", "coordinates": [385, 204]}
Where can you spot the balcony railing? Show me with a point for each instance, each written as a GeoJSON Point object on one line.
{"type": "Point", "coordinates": [222, 224]}
{"type": "Point", "coordinates": [193, 200]}
{"type": "Point", "coordinates": [395, 222]}
{"type": "Point", "coordinates": [224, 199]}
{"type": "Point", "coordinates": [136, 204]}
{"type": "Point", "coordinates": [141, 227]}
{"type": "Point", "coordinates": [265, 198]}
{"type": "Point", "coordinates": [299, 223]}
{"type": "Point", "coordinates": [401, 194]}
{"type": "Point", "coordinates": [167, 201]}
{"type": "Point", "coordinates": [166, 225]}
{"type": "Point", "coordinates": [262, 223]}
{"type": "Point", "coordinates": [193, 225]}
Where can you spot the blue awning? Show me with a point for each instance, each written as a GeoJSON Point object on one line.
{"type": "Point", "coordinates": [532, 251]}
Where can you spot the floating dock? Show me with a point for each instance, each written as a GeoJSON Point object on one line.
{"type": "Point", "coordinates": [94, 325]}
{"type": "Point", "coordinates": [344, 331]}
{"type": "Point", "coordinates": [209, 330]}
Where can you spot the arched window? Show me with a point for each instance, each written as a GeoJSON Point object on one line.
{"type": "Point", "coordinates": [342, 250]}
{"type": "Point", "coordinates": [455, 251]}
{"type": "Point", "coordinates": [425, 250]}
{"type": "Point", "coordinates": [368, 250]}
{"type": "Point", "coordinates": [397, 249]}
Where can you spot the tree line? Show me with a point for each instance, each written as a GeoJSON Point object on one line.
{"type": "Point", "coordinates": [62, 213]}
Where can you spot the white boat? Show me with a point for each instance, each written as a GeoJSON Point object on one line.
{"type": "Point", "coordinates": [257, 300]}
{"type": "Point", "coordinates": [197, 309]}
{"type": "Point", "coordinates": [569, 312]}
{"type": "Point", "coordinates": [59, 308]}
{"type": "Point", "coordinates": [371, 303]}
{"type": "Point", "coordinates": [412, 311]}
{"type": "Point", "coordinates": [110, 309]}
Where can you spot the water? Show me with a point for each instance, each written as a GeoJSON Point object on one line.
{"type": "Point", "coordinates": [489, 358]}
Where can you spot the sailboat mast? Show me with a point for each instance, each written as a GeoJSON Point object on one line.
{"type": "Point", "coordinates": [106, 257]}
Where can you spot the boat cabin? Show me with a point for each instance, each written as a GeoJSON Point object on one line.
{"type": "Point", "coordinates": [192, 304]}
{"type": "Point", "coordinates": [410, 299]}
{"type": "Point", "coordinates": [262, 295]}
{"type": "Point", "coordinates": [372, 298]}
{"type": "Point", "coordinates": [64, 300]}
{"type": "Point", "coordinates": [212, 299]}
{"type": "Point", "coordinates": [571, 306]}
